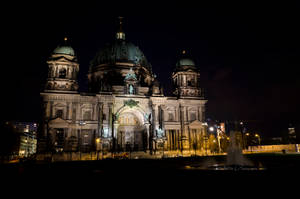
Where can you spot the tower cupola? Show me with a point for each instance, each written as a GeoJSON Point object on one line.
{"type": "Point", "coordinates": [63, 69]}
{"type": "Point", "coordinates": [186, 78]}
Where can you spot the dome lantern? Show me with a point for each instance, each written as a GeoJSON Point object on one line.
{"type": "Point", "coordinates": [120, 34]}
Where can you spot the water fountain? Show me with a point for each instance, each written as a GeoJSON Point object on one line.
{"type": "Point", "coordinates": [235, 159]}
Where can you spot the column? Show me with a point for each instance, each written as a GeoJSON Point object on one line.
{"type": "Point", "coordinates": [68, 111]}
{"type": "Point", "coordinates": [203, 113]}
{"type": "Point", "coordinates": [99, 118]}
{"type": "Point", "coordinates": [190, 138]}
{"type": "Point", "coordinates": [186, 114]}
{"type": "Point", "coordinates": [148, 135]}
{"type": "Point", "coordinates": [51, 110]}
{"type": "Point", "coordinates": [199, 114]}
{"type": "Point", "coordinates": [168, 140]}
{"type": "Point", "coordinates": [47, 109]}
{"type": "Point", "coordinates": [178, 139]}
{"type": "Point", "coordinates": [115, 129]}
{"type": "Point", "coordinates": [110, 120]}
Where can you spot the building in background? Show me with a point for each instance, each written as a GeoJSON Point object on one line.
{"type": "Point", "coordinates": [292, 138]}
{"type": "Point", "coordinates": [26, 140]}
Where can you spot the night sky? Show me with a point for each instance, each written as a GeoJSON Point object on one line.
{"type": "Point", "coordinates": [248, 54]}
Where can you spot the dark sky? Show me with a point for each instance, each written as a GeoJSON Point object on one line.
{"type": "Point", "coordinates": [248, 54]}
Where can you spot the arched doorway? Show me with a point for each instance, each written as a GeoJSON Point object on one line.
{"type": "Point", "coordinates": [131, 134]}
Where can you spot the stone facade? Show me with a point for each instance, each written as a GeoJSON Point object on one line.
{"type": "Point", "coordinates": [125, 109]}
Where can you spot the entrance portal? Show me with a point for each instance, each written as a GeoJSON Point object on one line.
{"type": "Point", "coordinates": [132, 134]}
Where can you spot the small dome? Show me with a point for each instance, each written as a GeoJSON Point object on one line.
{"type": "Point", "coordinates": [185, 62]}
{"type": "Point", "coordinates": [66, 50]}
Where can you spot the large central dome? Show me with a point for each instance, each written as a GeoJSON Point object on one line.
{"type": "Point", "coordinates": [113, 62]}
{"type": "Point", "coordinates": [120, 51]}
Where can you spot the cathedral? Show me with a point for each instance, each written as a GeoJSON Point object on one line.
{"type": "Point", "coordinates": [125, 108]}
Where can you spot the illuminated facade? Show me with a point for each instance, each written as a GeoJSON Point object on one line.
{"type": "Point", "coordinates": [125, 108]}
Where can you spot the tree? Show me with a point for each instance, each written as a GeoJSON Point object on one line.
{"type": "Point", "coordinates": [224, 143]}
{"type": "Point", "coordinates": [212, 143]}
{"type": "Point", "coordinates": [9, 139]}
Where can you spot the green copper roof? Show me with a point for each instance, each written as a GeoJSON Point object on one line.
{"type": "Point", "coordinates": [67, 50]}
{"type": "Point", "coordinates": [130, 75]}
{"type": "Point", "coordinates": [185, 62]}
{"type": "Point", "coordinates": [120, 51]}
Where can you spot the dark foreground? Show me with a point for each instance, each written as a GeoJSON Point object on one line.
{"type": "Point", "coordinates": [274, 169]}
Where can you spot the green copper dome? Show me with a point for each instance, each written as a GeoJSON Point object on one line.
{"type": "Point", "coordinates": [66, 50]}
{"type": "Point", "coordinates": [185, 62]}
{"type": "Point", "coordinates": [120, 51]}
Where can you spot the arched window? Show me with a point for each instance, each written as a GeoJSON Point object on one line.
{"type": "Point", "coordinates": [62, 73]}
{"type": "Point", "coordinates": [170, 117]}
{"type": "Point", "coordinates": [87, 115]}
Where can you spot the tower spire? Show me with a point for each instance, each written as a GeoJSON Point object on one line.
{"type": "Point", "coordinates": [120, 23]}
{"type": "Point", "coordinates": [120, 34]}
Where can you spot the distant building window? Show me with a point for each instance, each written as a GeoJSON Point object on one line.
{"type": "Point", "coordinates": [191, 82]}
{"type": "Point", "coordinates": [86, 139]}
{"type": "Point", "coordinates": [192, 116]}
{"type": "Point", "coordinates": [74, 114]}
{"type": "Point", "coordinates": [59, 113]}
{"type": "Point", "coordinates": [87, 115]}
{"type": "Point", "coordinates": [62, 73]}
{"type": "Point", "coordinates": [170, 117]}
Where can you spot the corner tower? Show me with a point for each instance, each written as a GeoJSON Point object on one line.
{"type": "Point", "coordinates": [186, 78]}
{"type": "Point", "coordinates": [63, 70]}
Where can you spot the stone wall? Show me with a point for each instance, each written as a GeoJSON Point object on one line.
{"type": "Point", "coordinates": [273, 148]}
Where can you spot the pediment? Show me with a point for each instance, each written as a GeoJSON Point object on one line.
{"type": "Point", "coordinates": [195, 124]}
{"type": "Point", "coordinates": [59, 105]}
{"type": "Point", "coordinates": [59, 121]}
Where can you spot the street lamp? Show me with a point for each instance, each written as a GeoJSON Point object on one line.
{"type": "Point", "coordinates": [97, 147]}
{"type": "Point", "coordinates": [258, 137]}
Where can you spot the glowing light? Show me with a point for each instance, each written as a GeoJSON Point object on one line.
{"type": "Point", "coordinates": [211, 128]}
